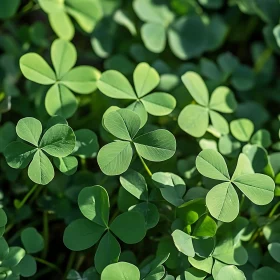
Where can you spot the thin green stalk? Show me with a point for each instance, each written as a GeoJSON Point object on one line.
{"type": "Point", "coordinates": [272, 212]}
{"type": "Point", "coordinates": [36, 194]}
{"type": "Point", "coordinates": [45, 234]}
{"type": "Point", "coordinates": [145, 166]}
{"type": "Point", "coordinates": [79, 262]}
{"type": "Point", "coordinates": [48, 264]}
{"type": "Point", "coordinates": [70, 263]}
{"type": "Point", "coordinates": [18, 204]}
{"type": "Point", "coordinates": [262, 59]}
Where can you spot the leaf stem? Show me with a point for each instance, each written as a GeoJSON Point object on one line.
{"type": "Point", "coordinates": [45, 234]}
{"type": "Point", "coordinates": [145, 166]}
{"type": "Point", "coordinates": [49, 264]}
{"type": "Point", "coordinates": [70, 263]}
{"type": "Point", "coordinates": [19, 204]}
{"type": "Point", "coordinates": [274, 209]}
{"type": "Point", "coordinates": [262, 59]}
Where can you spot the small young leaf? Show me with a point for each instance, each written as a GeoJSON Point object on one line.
{"type": "Point", "coordinates": [32, 240]}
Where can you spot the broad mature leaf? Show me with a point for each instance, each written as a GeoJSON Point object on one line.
{"type": "Point", "coordinates": [58, 140]}
{"type": "Point", "coordinates": [243, 166]}
{"type": "Point", "coordinates": [157, 145]}
{"type": "Point", "coordinates": [159, 103]}
{"type": "Point", "coordinates": [242, 129]}
{"type": "Point", "coordinates": [196, 87]}
{"type": "Point", "coordinates": [172, 187]}
{"type": "Point", "coordinates": [111, 246]}
{"type": "Point", "coordinates": [274, 251]}
{"type": "Point", "coordinates": [230, 272]}
{"type": "Point", "coordinates": [36, 69]}
{"type": "Point", "coordinates": [115, 85]}
{"type": "Point", "coordinates": [222, 202]}
{"type": "Point", "coordinates": [86, 143]}
{"type": "Point", "coordinates": [129, 227]}
{"type": "Point", "coordinates": [114, 158]}
{"type": "Point", "coordinates": [223, 100]}
{"type": "Point", "coordinates": [32, 240]}
{"type": "Point", "coordinates": [8, 8]}
{"type": "Point", "coordinates": [19, 154]}
{"type": "Point", "coordinates": [63, 55]}
{"type": "Point", "coordinates": [219, 122]}
{"type": "Point", "coordinates": [67, 165]}
{"type": "Point", "coordinates": [135, 184]}
{"type": "Point", "coordinates": [194, 119]}
{"type": "Point", "coordinates": [60, 101]}
{"type": "Point", "coordinates": [3, 218]}
{"type": "Point", "coordinates": [40, 170]}
{"type": "Point", "coordinates": [183, 243]}
{"type": "Point", "coordinates": [154, 36]}
{"type": "Point", "coordinates": [27, 266]}
{"type": "Point", "coordinates": [13, 258]}
{"type": "Point", "coordinates": [29, 129]}
{"type": "Point", "coordinates": [82, 234]}
{"type": "Point", "coordinates": [81, 79]}
{"type": "Point", "coordinates": [266, 272]}
{"type": "Point", "coordinates": [211, 164]}
{"type": "Point", "coordinates": [121, 271]}
{"type": "Point", "coordinates": [145, 78]}
{"type": "Point", "coordinates": [94, 204]}
{"type": "Point", "coordinates": [259, 188]}
{"type": "Point", "coordinates": [123, 123]}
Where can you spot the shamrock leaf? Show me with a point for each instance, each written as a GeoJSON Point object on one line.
{"type": "Point", "coordinates": [86, 13]}
{"type": "Point", "coordinates": [222, 199]}
{"type": "Point", "coordinates": [194, 119]}
{"type": "Point", "coordinates": [58, 141]}
{"type": "Point", "coordinates": [115, 158]}
{"type": "Point", "coordinates": [82, 79]}
{"type": "Point", "coordinates": [115, 85]}
{"type": "Point", "coordinates": [121, 271]}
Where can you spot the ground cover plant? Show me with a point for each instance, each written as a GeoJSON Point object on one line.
{"type": "Point", "coordinates": [139, 140]}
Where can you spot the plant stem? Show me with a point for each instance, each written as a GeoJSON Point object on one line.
{"type": "Point", "coordinates": [21, 203]}
{"type": "Point", "coordinates": [45, 234]}
{"type": "Point", "coordinates": [274, 209]}
{"type": "Point", "coordinates": [70, 263]}
{"type": "Point", "coordinates": [145, 166]}
{"type": "Point", "coordinates": [49, 264]}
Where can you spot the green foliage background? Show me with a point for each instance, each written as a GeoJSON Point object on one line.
{"type": "Point", "coordinates": [139, 140]}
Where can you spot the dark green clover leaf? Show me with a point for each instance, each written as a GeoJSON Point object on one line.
{"type": "Point", "coordinates": [83, 233]}
{"type": "Point", "coordinates": [121, 271]}
{"type": "Point", "coordinates": [82, 79]}
{"type": "Point", "coordinates": [58, 141]}
{"type": "Point", "coordinates": [32, 240]}
{"type": "Point", "coordinates": [194, 118]}
{"type": "Point", "coordinates": [222, 199]}
{"type": "Point", "coordinates": [274, 251]}
{"type": "Point", "coordinates": [86, 14]}
{"type": "Point", "coordinates": [115, 85]}
{"type": "Point", "coordinates": [115, 158]}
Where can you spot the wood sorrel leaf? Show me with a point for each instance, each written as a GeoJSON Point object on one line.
{"type": "Point", "coordinates": [242, 129]}
{"type": "Point", "coordinates": [32, 240]}
{"type": "Point", "coordinates": [183, 243]}
{"type": "Point", "coordinates": [29, 129]}
{"type": "Point", "coordinates": [121, 271]}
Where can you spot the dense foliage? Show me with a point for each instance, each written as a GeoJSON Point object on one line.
{"type": "Point", "coordinates": [139, 140]}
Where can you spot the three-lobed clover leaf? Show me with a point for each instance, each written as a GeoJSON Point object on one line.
{"type": "Point", "coordinates": [87, 13]}
{"type": "Point", "coordinates": [194, 118]}
{"type": "Point", "coordinates": [83, 233]}
{"type": "Point", "coordinates": [115, 158]}
{"type": "Point", "coordinates": [58, 141]}
{"type": "Point", "coordinates": [81, 79]}
{"type": "Point", "coordinates": [222, 200]}
{"type": "Point", "coordinates": [115, 85]}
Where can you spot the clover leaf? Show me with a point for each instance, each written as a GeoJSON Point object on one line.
{"type": "Point", "coordinates": [59, 99]}
{"type": "Point", "coordinates": [194, 118]}
{"type": "Point", "coordinates": [121, 271]}
{"type": "Point", "coordinates": [222, 200]}
{"type": "Point", "coordinates": [58, 141]}
{"type": "Point", "coordinates": [83, 233]}
{"type": "Point", "coordinates": [115, 85]}
{"type": "Point", "coordinates": [86, 13]}
{"type": "Point", "coordinates": [115, 158]}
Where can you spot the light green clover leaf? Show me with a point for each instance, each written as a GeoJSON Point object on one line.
{"type": "Point", "coordinates": [83, 233]}
{"type": "Point", "coordinates": [86, 13]}
{"type": "Point", "coordinates": [194, 118]}
{"type": "Point", "coordinates": [58, 141]}
{"type": "Point", "coordinates": [121, 271]}
{"type": "Point", "coordinates": [82, 79]}
{"type": "Point", "coordinates": [115, 158]}
{"type": "Point", "coordinates": [115, 85]}
{"type": "Point", "coordinates": [222, 199]}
